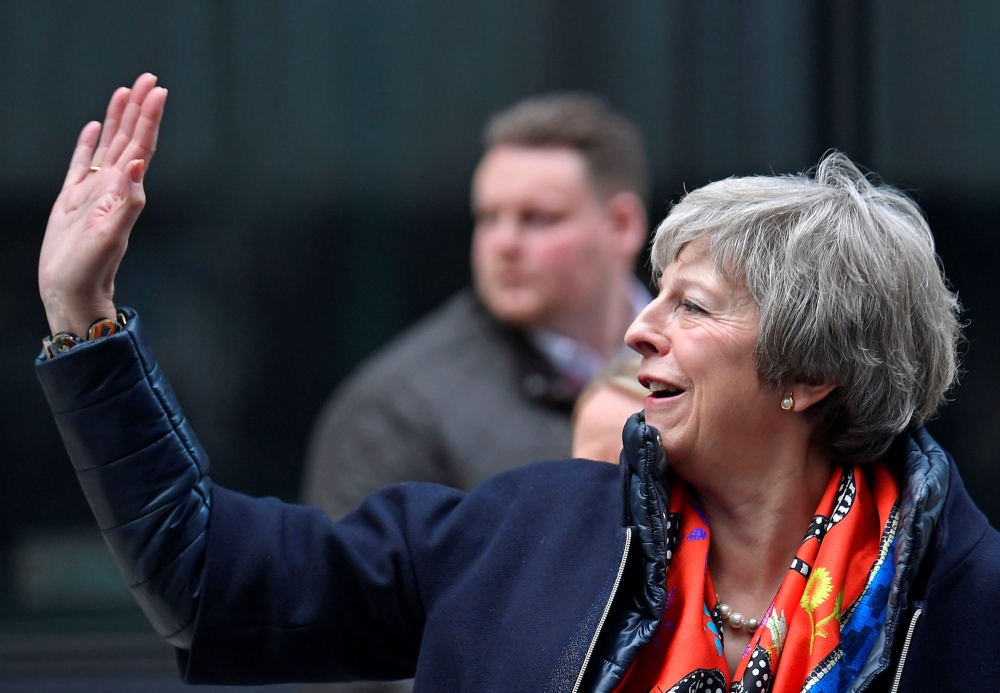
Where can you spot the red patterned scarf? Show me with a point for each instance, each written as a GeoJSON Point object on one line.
{"type": "Point", "coordinates": [836, 584]}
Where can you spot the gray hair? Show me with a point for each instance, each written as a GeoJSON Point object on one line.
{"type": "Point", "coordinates": [849, 288]}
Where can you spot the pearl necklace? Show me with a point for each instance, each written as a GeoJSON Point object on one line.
{"type": "Point", "coordinates": [736, 620]}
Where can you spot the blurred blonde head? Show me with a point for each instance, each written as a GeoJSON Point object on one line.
{"type": "Point", "coordinates": [603, 407]}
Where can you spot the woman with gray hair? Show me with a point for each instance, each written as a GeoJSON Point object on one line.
{"type": "Point", "coordinates": [779, 522]}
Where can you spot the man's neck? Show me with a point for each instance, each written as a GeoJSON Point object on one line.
{"type": "Point", "coordinates": [601, 324]}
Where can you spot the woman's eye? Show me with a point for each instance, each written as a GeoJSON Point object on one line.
{"type": "Point", "coordinates": [692, 307]}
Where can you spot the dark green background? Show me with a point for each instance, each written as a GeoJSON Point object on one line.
{"type": "Point", "coordinates": [309, 198]}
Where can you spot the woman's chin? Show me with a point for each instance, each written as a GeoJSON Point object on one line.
{"type": "Point", "coordinates": [676, 450]}
{"type": "Point", "coordinates": [664, 422]}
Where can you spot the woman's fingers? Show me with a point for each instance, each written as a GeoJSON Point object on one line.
{"type": "Point", "coordinates": [132, 198]}
{"type": "Point", "coordinates": [116, 106]}
{"type": "Point", "coordinates": [138, 170]}
{"type": "Point", "coordinates": [79, 165]}
{"type": "Point", "coordinates": [90, 223]}
{"type": "Point", "coordinates": [140, 90]}
{"type": "Point", "coordinates": [83, 246]}
{"type": "Point", "coordinates": [147, 128]}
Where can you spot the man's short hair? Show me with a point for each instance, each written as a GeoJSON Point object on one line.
{"type": "Point", "coordinates": [610, 144]}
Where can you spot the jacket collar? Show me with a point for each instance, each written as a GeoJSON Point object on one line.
{"type": "Point", "coordinates": [926, 470]}
{"type": "Point", "coordinates": [927, 476]}
{"type": "Point", "coordinates": [538, 379]}
{"type": "Point", "coordinates": [638, 606]}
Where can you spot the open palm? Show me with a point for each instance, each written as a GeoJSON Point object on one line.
{"type": "Point", "coordinates": [101, 198]}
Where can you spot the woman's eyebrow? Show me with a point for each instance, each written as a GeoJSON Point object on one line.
{"type": "Point", "coordinates": [687, 282]}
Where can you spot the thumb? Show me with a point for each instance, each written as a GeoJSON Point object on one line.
{"type": "Point", "coordinates": [131, 185]}
{"type": "Point", "coordinates": [137, 169]}
{"type": "Point", "coordinates": [131, 193]}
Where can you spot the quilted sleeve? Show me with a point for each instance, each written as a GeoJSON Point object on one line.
{"type": "Point", "coordinates": [141, 468]}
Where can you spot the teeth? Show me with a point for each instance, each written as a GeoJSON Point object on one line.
{"type": "Point", "coordinates": [655, 386]}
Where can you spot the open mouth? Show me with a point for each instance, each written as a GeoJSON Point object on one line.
{"type": "Point", "coordinates": [662, 390]}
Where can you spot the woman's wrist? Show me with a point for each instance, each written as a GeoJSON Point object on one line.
{"type": "Point", "coordinates": [77, 319]}
{"type": "Point", "coordinates": [62, 341]}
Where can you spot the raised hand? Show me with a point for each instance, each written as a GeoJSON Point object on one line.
{"type": "Point", "coordinates": [101, 198]}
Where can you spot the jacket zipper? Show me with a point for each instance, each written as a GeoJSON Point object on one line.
{"type": "Point", "coordinates": [906, 649]}
{"type": "Point", "coordinates": [607, 608]}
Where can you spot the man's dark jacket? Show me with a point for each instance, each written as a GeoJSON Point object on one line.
{"type": "Point", "coordinates": [465, 397]}
{"type": "Point", "coordinates": [545, 578]}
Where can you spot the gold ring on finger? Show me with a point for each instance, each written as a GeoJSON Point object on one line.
{"type": "Point", "coordinates": [94, 169]}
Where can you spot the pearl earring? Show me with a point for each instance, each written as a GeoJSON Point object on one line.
{"type": "Point", "coordinates": [788, 403]}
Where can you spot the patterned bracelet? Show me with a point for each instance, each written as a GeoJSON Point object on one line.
{"type": "Point", "coordinates": [61, 342]}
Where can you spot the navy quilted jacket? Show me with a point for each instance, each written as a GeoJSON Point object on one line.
{"type": "Point", "coordinates": [545, 578]}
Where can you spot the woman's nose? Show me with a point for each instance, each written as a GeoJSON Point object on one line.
{"type": "Point", "coordinates": [642, 335]}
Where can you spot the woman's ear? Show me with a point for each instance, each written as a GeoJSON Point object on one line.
{"type": "Point", "coordinates": [805, 395]}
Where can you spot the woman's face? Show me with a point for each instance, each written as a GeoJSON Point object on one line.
{"type": "Point", "coordinates": [696, 340]}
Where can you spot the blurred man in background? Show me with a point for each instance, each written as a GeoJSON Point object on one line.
{"type": "Point", "coordinates": [487, 382]}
